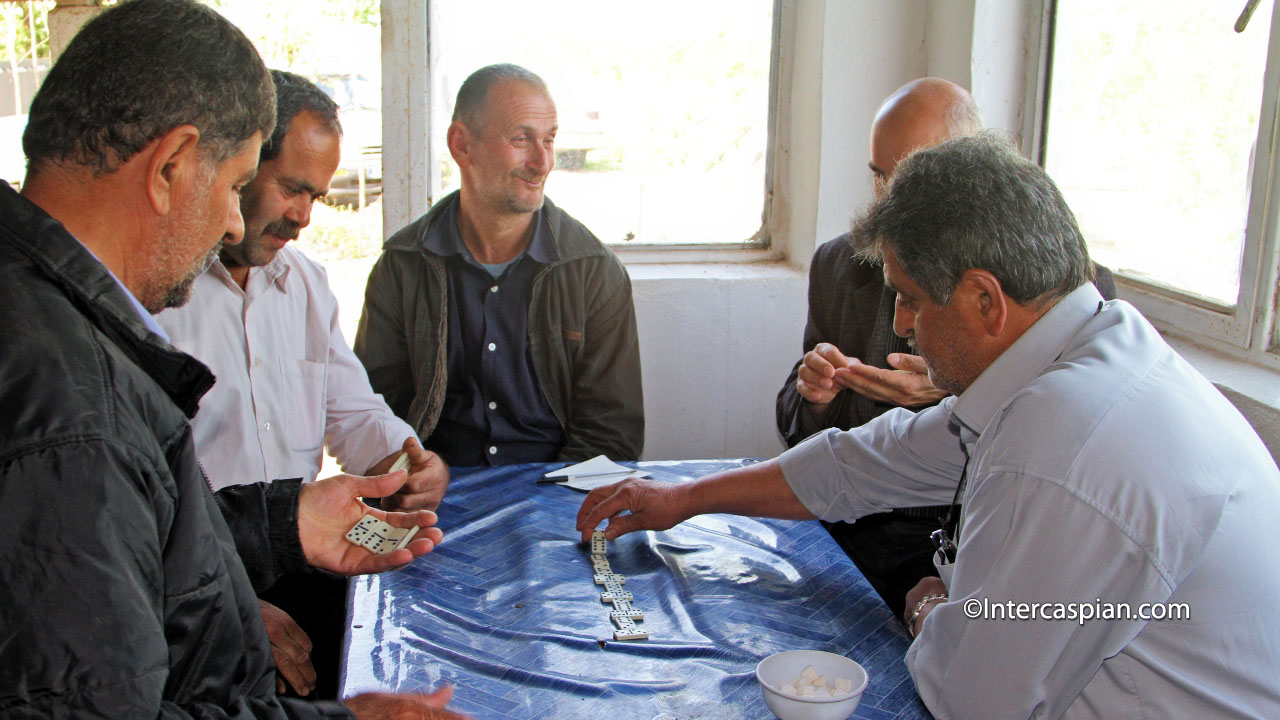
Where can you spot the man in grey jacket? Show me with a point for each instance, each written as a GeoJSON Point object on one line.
{"type": "Point", "coordinates": [499, 327]}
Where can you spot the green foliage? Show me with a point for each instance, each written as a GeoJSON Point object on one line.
{"type": "Point", "coordinates": [17, 19]}
{"type": "Point", "coordinates": [343, 233]}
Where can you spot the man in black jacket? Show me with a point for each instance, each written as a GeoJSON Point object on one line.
{"type": "Point", "coordinates": [127, 589]}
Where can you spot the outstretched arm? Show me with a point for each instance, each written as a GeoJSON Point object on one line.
{"type": "Point", "coordinates": [757, 490]}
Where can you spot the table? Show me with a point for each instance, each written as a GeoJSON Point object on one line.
{"type": "Point", "coordinates": [505, 610]}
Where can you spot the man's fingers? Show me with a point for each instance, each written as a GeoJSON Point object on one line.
{"type": "Point", "coordinates": [830, 354]}
{"type": "Point", "coordinates": [620, 524]}
{"type": "Point", "coordinates": [900, 387]}
{"type": "Point", "coordinates": [908, 363]}
{"type": "Point", "coordinates": [301, 676]}
{"type": "Point", "coordinates": [396, 518]}
{"type": "Point", "coordinates": [378, 485]}
{"type": "Point", "coordinates": [401, 500]}
{"type": "Point", "coordinates": [601, 503]}
{"type": "Point", "coordinates": [817, 364]}
{"type": "Point", "coordinates": [813, 394]}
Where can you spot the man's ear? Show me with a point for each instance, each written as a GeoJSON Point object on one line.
{"type": "Point", "coordinates": [984, 298]}
{"type": "Point", "coordinates": [459, 140]}
{"type": "Point", "coordinates": [173, 162]}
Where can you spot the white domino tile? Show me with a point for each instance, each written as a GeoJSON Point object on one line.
{"type": "Point", "coordinates": [379, 537]}
{"type": "Point", "coordinates": [623, 615]}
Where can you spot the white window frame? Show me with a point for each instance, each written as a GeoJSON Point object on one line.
{"type": "Point", "coordinates": [411, 159]}
{"type": "Point", "coordinates": [1246, 330]}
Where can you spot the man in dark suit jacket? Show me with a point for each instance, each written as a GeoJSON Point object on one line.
{"type": "Point", "coordinates": [856, 367]}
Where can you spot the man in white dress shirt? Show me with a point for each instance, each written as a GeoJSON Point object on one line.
{"type": "Point", "coordinates": [264, 320]}
{"type": "Point", "coordinates": [1112, 556]}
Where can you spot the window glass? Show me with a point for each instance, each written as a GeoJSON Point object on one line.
{"type": "Point", "coordinates": [24, 61]}
{"type": "Point", "coordinates": [663, 108]}
{"type": "Point", "coordinates": [1152, 119]}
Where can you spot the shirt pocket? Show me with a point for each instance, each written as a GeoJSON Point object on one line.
{"type": "Point", "coordinates": [303, 386]}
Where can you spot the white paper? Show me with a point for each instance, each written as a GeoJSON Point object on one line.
{"type": "Point", "coordinates": [591, 474]}
{"type": "Point", "coordinates": [598, 465]}
{"type": "Point", "coordinates": [591, 482]}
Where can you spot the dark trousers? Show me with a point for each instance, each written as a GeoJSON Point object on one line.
{"type": "Point", "coordinates": [318, 603]}
{"type": "Point", "coordinates": [892, 549]}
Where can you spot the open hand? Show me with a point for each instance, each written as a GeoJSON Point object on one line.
{"type": "Point", "coordinates": [328, 508]}
{"type": "Point", "coordinates": [907, 385]}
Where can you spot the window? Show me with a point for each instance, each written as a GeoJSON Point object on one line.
{"type": "Point", "coordinates": [24, 61]}
{"type": "Point", "coordinates": [663, 108]}
{"type": "Point", "coordinates": [1160, 131]}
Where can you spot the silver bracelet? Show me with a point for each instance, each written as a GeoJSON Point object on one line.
{"type": "Point", "coordinates": [915, 614]}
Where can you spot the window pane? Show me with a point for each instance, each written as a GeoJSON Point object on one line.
{"type": "Point", "coordinates": [663, 107]}
{"type": "Point", "coordinates": [24, 62]}
{"type": "Point", "coordinates": [1152, 119]}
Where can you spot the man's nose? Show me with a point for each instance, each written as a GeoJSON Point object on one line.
{"type": "Point", "coordinates": [543, 158]}
{"type": "Point", "coordinates": [300, 211]}
{"type": "Point", "coordinates": [903, 322]}
{"type": "Point", "coordinates": [235, 225]}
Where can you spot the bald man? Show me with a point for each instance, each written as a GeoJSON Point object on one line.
{"type": "Point", "coordinates": [856, 368]}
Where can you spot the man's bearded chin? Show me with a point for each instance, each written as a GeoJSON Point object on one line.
{"type": "Point", "coordinates": [179, 294]}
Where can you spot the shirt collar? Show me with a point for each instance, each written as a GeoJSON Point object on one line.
{"type": "Point", "coordinates": [276, 272]}
{"type": "Point", "coordinates": [448, 243]}
{"type": "Point", "coordinates": [1042, 344]}
{"type": "Point", "coordinates": [147, 318]}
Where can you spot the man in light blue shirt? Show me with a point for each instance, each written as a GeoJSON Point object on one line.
{"type": "Point", "coordinates": [1105, 484]}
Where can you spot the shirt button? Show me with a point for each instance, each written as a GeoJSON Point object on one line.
{"type": "Point", "coordinates": [493, 289]}
{"type": "Point", "coordinates": [493, 450]}
{"type": "Point", "coordinates": [493, 406]}
{"type": "Point", "coordinates": [266, 425]}
{"type": "Point", "coordinates": [492, 347]}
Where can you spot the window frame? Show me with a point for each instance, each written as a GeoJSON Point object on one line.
{"type": "Point", "coordinates": [411, 175]}
{"type": "Point", "coordinates": [1247, 329]}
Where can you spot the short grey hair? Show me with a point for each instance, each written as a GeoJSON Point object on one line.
{"type": "Point", "coordinates": [139, 70]}
{"type": "Point", "coordinates": [975, 202]}
{"type": "Point", "coordinates": [474, 93]}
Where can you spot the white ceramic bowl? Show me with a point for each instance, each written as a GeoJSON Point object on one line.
{"type": "Point", "coordinates": [783, 668]}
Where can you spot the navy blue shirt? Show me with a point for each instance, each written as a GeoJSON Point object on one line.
{"type": "Point", "coordinates": [494, 411]}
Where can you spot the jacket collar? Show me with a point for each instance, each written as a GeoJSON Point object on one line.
{"type": "Point", "coordinates": [94, 292]}
{"type": "Point", "coordinates": [567, 244]}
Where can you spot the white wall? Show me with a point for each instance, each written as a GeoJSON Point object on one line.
{"type": "Point", "coordinates": [717, 340]}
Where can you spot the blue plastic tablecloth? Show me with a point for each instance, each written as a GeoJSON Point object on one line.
{"type": "Point", "coordinates": [505, 610]}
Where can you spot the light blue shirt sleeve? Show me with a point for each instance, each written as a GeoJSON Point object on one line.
{"type": "Point", "coordinates": [900, 459]}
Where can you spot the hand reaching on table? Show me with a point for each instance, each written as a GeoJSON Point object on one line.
{"type": "Point", "coordinates": [758, 490]}
{"type": "Point", "coordinates": [649, 506]}
{"type": "Point", "coordinates": [328, 508]}
{"type": "Point", "coordinates": [389, 706]}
